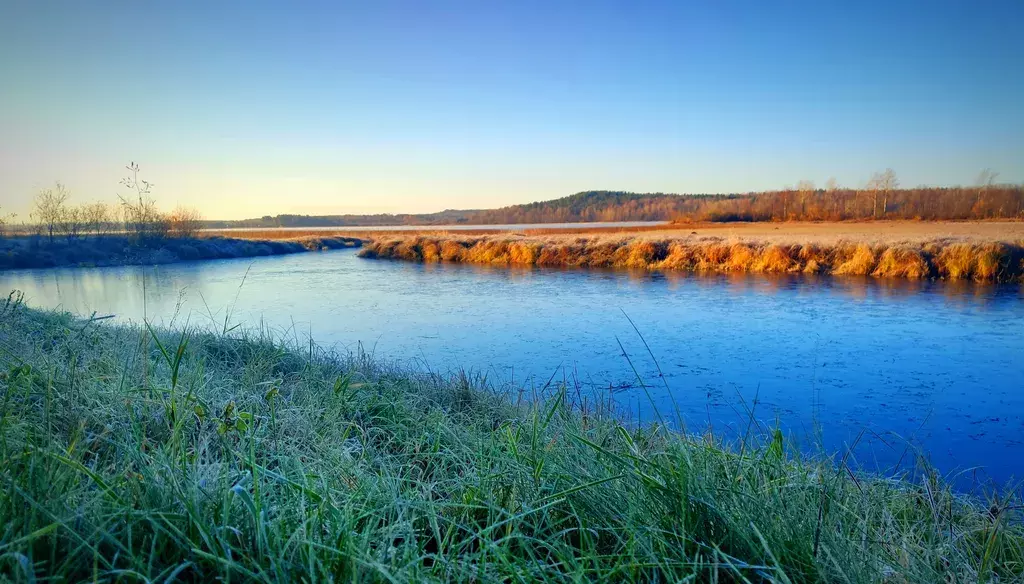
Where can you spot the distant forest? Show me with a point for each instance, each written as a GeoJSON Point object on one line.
{"type": "Point", "coordinates": [882, 199]}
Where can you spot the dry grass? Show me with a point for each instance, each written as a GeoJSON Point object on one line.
{"type": "Point", "coordinates": [949, 259]}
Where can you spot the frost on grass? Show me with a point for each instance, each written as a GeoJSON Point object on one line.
{"type": "Point", "coordinates": [184, 454]}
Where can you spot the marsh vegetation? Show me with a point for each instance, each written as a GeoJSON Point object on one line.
{"type": "Point", "coordinates": [948, 259]}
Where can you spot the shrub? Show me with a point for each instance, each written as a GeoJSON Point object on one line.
{"type": "Point", "coordinates": [860, 263]}
{"type": "Point", "coordinates": [774, 259]}
{"type": "Point", "coordinates": [956, 261]}
{"type": "Point", "coordinates": [451, 250]}
{"type": "Point", "coordinates": [902, 262]}
{"type": "Point", "coordinates": [741, 256]}
{"type": "Point", "coordinates": [184, 222]}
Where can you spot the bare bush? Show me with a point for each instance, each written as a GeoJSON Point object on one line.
{"type": "Point", "coordinates": [3, 222]}
{"type": "Point", "coordinates": [48, 208]}
{"type": "Point", "coordinates": [98, 218]}
{"type": "Point", "coordinates": [71, 222]}
{"type": "Point", "coordinates": [185, 222]}
{"type": "Point", "coordinates": [142, 220]}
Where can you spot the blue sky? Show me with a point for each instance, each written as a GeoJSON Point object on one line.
{"type": "Point", "coordinates": [250, 108]}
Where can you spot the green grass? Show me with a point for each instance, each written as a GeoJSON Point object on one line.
{"type": "Point", "coordinates": [132, 456]}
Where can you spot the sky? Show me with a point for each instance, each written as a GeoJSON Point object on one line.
{"type": "Point", "coordinates": [244, 109]}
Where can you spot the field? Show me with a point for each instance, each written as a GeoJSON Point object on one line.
{"type": "Point", "coordinates": [792, 232]}
{"type": "Point", "coordinates": [267, 234]}
{"type": "Point", "coordinates": [134, 454]}
{"type": "Point", "coordinates": [989, 251]}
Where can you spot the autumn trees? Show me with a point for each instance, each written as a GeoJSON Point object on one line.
{"type": "Point", "coordinates": [881, 198]}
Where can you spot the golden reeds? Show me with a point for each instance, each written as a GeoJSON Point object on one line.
{"type": "Point", "coordinates": [986, 262]}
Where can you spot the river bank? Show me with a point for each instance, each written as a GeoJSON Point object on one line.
{"type": "Point", "coordinates": [203, 455]}
{"type": "Point", "coordinates": [115, 250]}
{"type": "Point", "coordinates": [885, 255]}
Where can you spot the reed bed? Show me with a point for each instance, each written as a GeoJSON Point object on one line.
{"type": "Point", "coordinates": [133, 454]}
{"type": "Point", "coordinates": [947, 259]}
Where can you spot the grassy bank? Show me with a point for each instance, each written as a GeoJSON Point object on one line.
{"type": "Point", "coordinates": [138, 456]}
{"type": "Point", "coordinates": [949, 259]}
{"type": "Point", "coordinates": [114, 250]}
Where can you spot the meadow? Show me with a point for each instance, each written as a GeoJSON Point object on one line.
{"type": "Point", "coordinates": [986, 252]}
{"type": "Point", "coordinates": [135, 454]}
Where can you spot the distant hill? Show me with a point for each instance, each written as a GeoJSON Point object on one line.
{"type": "Point", "coordinates": [580, 207]}
{"type": "Point", "coordinates": [882, 200]}
{"type": "Point", "coordinates": [287, 220]}
{"type": "Point", "coordinates": [597, 206]}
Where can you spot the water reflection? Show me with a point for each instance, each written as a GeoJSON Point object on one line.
{"type": "Point", "coordinates": [895, 360]}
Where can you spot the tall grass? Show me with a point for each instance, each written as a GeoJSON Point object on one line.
{"type": "Point", "coordinates": [946, 259]}
{"type": "Point", "coordinates": [132, 454]}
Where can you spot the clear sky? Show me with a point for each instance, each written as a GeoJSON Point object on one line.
{"type": "Point", "coordinates": [252, 108]}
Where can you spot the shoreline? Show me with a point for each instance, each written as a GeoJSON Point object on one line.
{"type": "Point", "coordinates": [24, 253]}
{"type": "Point", "coordinates": [950, 258]}
{"type": "Point", "coordinates": [217, 449]}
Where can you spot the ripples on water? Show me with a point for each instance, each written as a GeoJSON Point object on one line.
{"type": "Point", "coordinates": [937, 364]}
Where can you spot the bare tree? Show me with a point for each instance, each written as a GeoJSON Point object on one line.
{"type": "Point", "coordinates": [48, 208]}
{"type": "Point", "coordinates": [97, 217]}
{"type": "Point", "coordinates": [984, 181]}
{"type": "Point", "coordinates": [889, 184]}
{"type": "Point", "coordinates": [805, 190]}
{"type": "Point", "coordinates": [142, 219]}
{"type": "Point", "coordinates": [986, 177]}
{"type": "Point", "coordinates": [882, 183]}
{"type": "Point", "coordinates": [71, 222]}
{"type": "Point", "coordinates": [185, 222]}
{"type": "Point", "coordinates": [831, 190]}
{"type": "Point", "coordinates": [3, 221]}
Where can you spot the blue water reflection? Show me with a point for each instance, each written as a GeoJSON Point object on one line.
{"type": "Point", "coordinates": [892, 361]}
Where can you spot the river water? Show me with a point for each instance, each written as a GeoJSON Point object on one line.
{"type": "Point", "coordinates": [891, 366]}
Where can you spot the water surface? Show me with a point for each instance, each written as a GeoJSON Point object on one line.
{"type": "Point", "coordinates": [936, 365]}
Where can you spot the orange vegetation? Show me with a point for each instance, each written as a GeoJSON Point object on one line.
{"type": "Point", "coordinates": [940, 258]}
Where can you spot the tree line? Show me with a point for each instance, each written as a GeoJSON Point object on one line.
{"type": "Point", "coordinates": [136, 214]}
{"type": "Point", "coordinates": [882, 198]}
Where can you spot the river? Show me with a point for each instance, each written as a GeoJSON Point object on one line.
{"type": "Point", "coordinates": [893, 366]}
